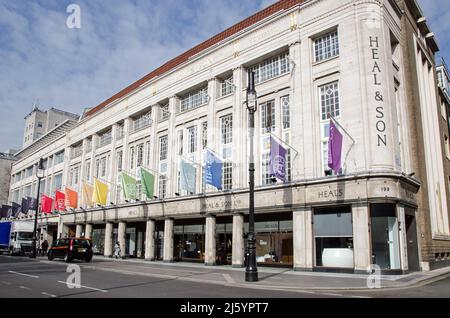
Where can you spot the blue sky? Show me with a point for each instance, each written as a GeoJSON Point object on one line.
{"type": "Point", "coordinates": [43, 61]}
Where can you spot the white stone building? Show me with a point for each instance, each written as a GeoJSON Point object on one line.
{"type": "Point", "coordinates": [351, 58]}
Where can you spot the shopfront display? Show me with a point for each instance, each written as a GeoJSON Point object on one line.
{"type": "Point", "coordinates": [189, 241]}
{"type": "Point", "coordinates": [333, 237]}
{"type": "Point", "coordinates": [274, 239]}
{"type": "Point", "coordinates": [224, 242]}
{"type": "Point", "coordinates": [98, 241]}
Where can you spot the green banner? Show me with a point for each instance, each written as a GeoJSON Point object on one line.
{"type": "Point", "coordinates": [129, 186]}
{"type": "Point", "coordinates": [148, 183]}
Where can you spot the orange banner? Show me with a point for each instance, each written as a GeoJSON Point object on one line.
{"type": "Point", "coordinates": [71, 198]}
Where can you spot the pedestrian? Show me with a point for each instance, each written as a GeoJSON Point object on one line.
{"type": "Point", "coordinates": [117, 250]}
{"type": "Point", "coordinates": [44, 247]}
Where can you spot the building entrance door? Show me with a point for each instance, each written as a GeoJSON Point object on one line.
{"type": "Point", "coordinates": [411, 240]}
{"type": "Point", "coordinates": [385, 240]}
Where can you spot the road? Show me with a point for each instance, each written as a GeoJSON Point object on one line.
{"type": "Point", "coordinates": [21, 277]}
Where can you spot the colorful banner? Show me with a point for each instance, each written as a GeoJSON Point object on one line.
{"type": "Point", "coordinates": [148, 183]}
{"type": "Point", "coordinates": [5, 211]}
{"type": "Point", "coordinates": [32, 203]}
{"type": "Point", "coordinates": [129, 186]}
{"type": "Point", "coordinates": [24, 206]}
{"type": "Point", "coordinates": [277, 160]}
{"type": "Point", "coordinates": [100, 192]}
{"type": "Point", "coordinates": [60, 201]}
{"type": "Point", "coordinates": [187, 176]}
{"type": "Point", "coordinates": [46, 204]}
{"type": "Point", "coordinates": [213, 170]}
{"type": "Point", "coordinates": [15, 209]}
{"type": "Point", "coordinates": [88, 192]}
{"type": "Point", "coordinates": [71, 198]}
{"type": "Point", "coordinates": [334, 148]}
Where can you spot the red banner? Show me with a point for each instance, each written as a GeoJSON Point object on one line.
{"type": "Point", "coordinates": [46, 204]}
{"type": "Point", "coordinates": [60, 201]}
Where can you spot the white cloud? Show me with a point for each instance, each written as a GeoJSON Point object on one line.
{"type": "Point", "coordinates": [119, 42]}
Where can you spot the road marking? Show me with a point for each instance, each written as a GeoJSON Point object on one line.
{"type": "Point", "coordinates": [23, 287]}
{"type": "Point", "coordinates": [360, 296]}
{"type": "Point", "coordinates": [6, 283]}
{"type": "Point", "coordinates": [22, 274]}
{"type": "Point", "coordinates": [331, 294]}
{"type": "Point", "coordinates": [47, 294]}
{"type": "Point", "coordinates": [228, 278]}
{"type": "Point", "coordinates": [81, 286]}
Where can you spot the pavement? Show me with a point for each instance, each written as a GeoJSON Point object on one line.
{"type": "Point", "coordinates": [24, 277]}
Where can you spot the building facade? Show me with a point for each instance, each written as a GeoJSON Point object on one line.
{"type": "Point", "coordinates": [39, 122]}
{"type": "Point", "coordinates": [359, 61]}
{"type": "Point", "coordinates": [6, 162]}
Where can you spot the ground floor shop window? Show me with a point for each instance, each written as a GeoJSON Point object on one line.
{"type": "Point", "coordinates": [98, 241]}
{"type": "Point", "coordinates": [189, 242]}
{"type": "Point", "coordinates": [224, 242]}
{"type": "Point", "coordinates": [384, 234]}
{"type": "Point", "coordinates": [274, 239]}
{"type": "Point", "coordinates": [333, 236]}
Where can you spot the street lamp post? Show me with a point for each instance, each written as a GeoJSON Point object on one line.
{"type": "Point", "coordinates": [40, 175]}
{"type": "Point", "coordinates": [251, 271]}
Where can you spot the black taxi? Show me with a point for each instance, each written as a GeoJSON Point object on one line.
{"type": "Point", "coordinates": [70, 249]}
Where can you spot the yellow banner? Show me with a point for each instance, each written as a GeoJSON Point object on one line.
{"type": "Point", "coordinates": [88, 191]}
{"type": "Point", "coordinates": [100, 192]}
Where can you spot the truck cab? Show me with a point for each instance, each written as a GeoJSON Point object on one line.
{"type": "Point", "coordinates": [16, 237]}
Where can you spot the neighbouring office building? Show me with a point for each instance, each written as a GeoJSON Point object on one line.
{"type": "Point", "coordinates": [370, 64]}
{"type": "Point", "coordinates": [6, 162]}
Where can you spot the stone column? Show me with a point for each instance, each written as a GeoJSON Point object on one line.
{"type": "Point", "coordinates": [168, 240]}
{"type": "Point", "coordinates": [210, 240]}
{"type": "Point", "coordinates": [150, 241]}
{"type": "Point", "coordinates": [303, 239]}
{"type": "Point", "coordinates": [238, 241]}
{"type": "Point", "coordinates": [121, 238]}
{"type": "Point", "coordinates": [108, 239]}
{"type": "Point", "coordinates": [88, 231]}
{"type": "Point", "coordinates": [79, 230]}
{"type": "Point", "coordinates": [361, 238]}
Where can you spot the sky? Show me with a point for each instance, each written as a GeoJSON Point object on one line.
{"type": "Point", "coordinates": [44, 62]}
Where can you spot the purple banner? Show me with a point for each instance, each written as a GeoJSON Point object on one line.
{"type": "Point", "coordinates": [277, 161]}
{"type": "Point", "coordinates": [334, 148]}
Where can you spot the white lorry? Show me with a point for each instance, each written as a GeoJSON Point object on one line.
{"type": "Point", "coordinates": [16, 237]}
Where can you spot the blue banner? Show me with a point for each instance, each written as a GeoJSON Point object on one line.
{"type": "Point", "coordinates": [187, 175]}
{"type": "Point", "coordinates": [213, 170]}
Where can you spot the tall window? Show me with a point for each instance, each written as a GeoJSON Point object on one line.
{"type": "Point", "coordinates": [227, 86]}
{"type": "Point", "coordinates": [194, 99]}
{"type": "Point", "coordinates": [59, 157]}
{"type": "Point", "coordinates": [57, 182]}
{"type": "Point", "coordinates": [329, 104]}
{"type": "Point", "coordinates": [329, 100]}
{"type": "Point", "coordinates": [119, 160]}
{"type": "Point", "coordinates": [285, 112]}
{"type": "Point", "coordinates": [326, 46]}
{"type": "Point", "coordinates": [120, 132]}
{"type": "Point", "coordinates": [204, 134]}
{"type": "Point", "coordinates": [226, 140]}
{"type": "Point", "coordinates": [192, 139]}
{"type": "Point", "coordinates": [140, 155]}
{"type": "Point", "coordinates": [180, 142]}
{"type": "Point", "coordinates": [87, 171]}
{"type": "Point", "coordinates": [132, 158]}
{"type": "Point", "coordinates": [103, 165]}
{"type": "Point", "coordinates": [271, 68]}
{"type": "Point", "coordinates": [268, 117]}
{"type": "Point", "coordinates": [163, 148]}
{"type": "Point", "coordinates": [147, 156]}
{"type": "Point", "coordinates": [162, 186]}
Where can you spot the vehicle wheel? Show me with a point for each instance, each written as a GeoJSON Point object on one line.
{"type": "Point", "coordinates": [88, 259]}
{"type": "Point", "coordinates": [50, 256]}
{"type": "Point", "coordinates": [67, 258]}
